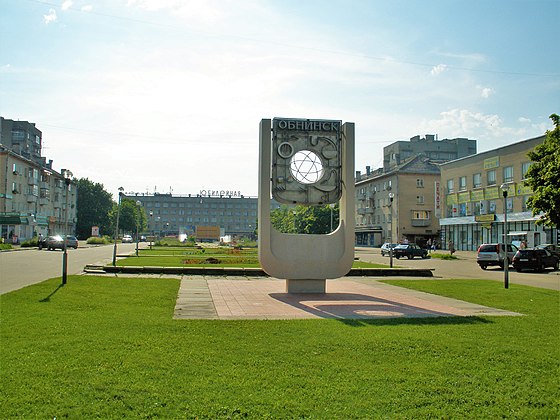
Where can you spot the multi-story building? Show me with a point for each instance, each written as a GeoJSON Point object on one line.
{"type": "Point", "coordinates": [401, 201]}
{"type": "Point", "coordinates": [474, 201]}
{"type": "Point", "coordinates": [34, 198]}
{"type": "Point", "coordinates": [168, 214]}
{"type": "Point", "coordinates": [438, 151]}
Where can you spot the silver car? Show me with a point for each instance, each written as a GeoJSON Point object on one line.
{"type": "Point", "coordinates": [493, 254]}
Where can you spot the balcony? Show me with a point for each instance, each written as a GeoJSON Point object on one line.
{"type": "Point", "coordinates": [421, 222]}
{"type": "Point", "coordinates": [362, 211]}
{"type": "Point", "coordinates": [32, 181]}
{"type": "Point", "coordinates": [31, 198]}
{"type": "Point", "coordinates": [361, 196]}
{"type": "Point", "coordinates": [43, 201]}
{"type": "Point", "coordinates": [370, 210]}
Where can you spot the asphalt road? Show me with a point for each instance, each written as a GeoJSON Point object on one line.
{"type": "Point", "coordinates": [465, 267]}
{"type": "Point", "coordinates": [29, 266]}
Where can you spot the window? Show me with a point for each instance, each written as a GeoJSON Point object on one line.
{"type": "Point", "coordinates": [491, 177]}
{"type": "Point", "coordinates": [508, 174]}
{"type": "Point", "coordinates": [462, 183]}
{"type": "Point", "coordinates": [419, 199]}
{"type": "Point", "coordinates": [524, 206]}
{"type": "Point", "coordinates": [450, 187]}
{"type": "Point", "coordinates": [420, 183]}
{"type": "Point", "coordinates": [420, 214]}
{"type": "Point", "coordinates": [14, 188]}
{"type": "Point", "coordinates": [524, 169]}
{"type": "Point", "coordinates": [477, 180]}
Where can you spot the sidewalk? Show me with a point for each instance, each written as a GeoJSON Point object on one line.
{"type": "Point", "coordinates": [202, 297]}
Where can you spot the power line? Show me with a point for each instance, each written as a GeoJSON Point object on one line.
{"type": "Point", "coordinates": [300, 47]}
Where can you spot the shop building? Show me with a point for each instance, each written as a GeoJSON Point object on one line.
{"type": "Point", "coordinates": [474, 202]}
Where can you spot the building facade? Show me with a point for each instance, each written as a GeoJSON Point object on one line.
{"type": "Point", "coordinates": [397, 205]}
{"type": "Point", "coordinates": [34, 198]}
{"type": "Point", "coordinates": [402, 201]}
{"type": "Point", "coordinates": [474, 201]}
{"type": "Point", "coordinates": [168, 214]}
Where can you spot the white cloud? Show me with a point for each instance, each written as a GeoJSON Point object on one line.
{"type": "Point", "coordinates": [194, 10]}
{"type": "Point", "coordinates": [87, 8]}
{"type": "Point", "coordinates": [524, 120]}
{"type": "Point", "coordinates": [436, 70]}
{"type": "Point", "coordinates": [51, 17]}
{"type": "Point", "coordinates": [486, 92]}
{"type": "Point", "coordinates": [66, 4]}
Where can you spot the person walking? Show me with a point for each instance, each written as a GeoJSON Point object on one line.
{"type": "Point", "coordinates": [451, 247]}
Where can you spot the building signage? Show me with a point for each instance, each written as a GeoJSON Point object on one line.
{"type": "Point", "coordinates": [437, 195]}
{"type": "Point", "coordinates": [484, 218]}
{"type": "Point", "coordinates": [524, 190]}
{"type": "Point", "coordinates": [451, 199]}
{"type": "Point", "coordinates": [491, 163]}
{"type": "Point", "coordinates": [464, 197]}
{"type": "Point", "coordinates": [220, 193]}
{"type": "Point", "coordinates": [477, 195]}
{"type": "Point", "coordinates": [307, 125]}
{"type": "Point", "coordinates": [491, 193]}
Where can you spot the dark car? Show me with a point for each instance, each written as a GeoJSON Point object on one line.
{"type": "Point", "coordinates": [553, 249]}
{"type": "Point", "coordinates": [535, 259]}
{"type": "Point", "coordinates": [410, 251]}
{"type": "Point", "coordinates": [57, 242]}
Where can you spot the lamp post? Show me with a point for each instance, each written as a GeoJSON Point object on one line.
{"type": "Point", "coordinates": [504, 188]}
{"type": "Point", "coordinates": [391, 198]}
{"type": "Point", "coordinates": [121, 189]}
{"type": "Point", "coordinates": [151, 223]}
{"type": "Point", "coordinates": [67, 180]}
{"type": "Point", "coordinates": [138, 206]}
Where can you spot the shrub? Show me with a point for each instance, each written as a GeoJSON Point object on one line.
{"type": "Point", "coordinates": [30, 243]}
{"type": "Point", "coordinates": [6, 246]}
{"type": "Point", "coordinates": [95, 240]}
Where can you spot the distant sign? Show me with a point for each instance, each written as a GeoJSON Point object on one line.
{"type": "Point", "coordinates": [95, 231]}
{"type": "Point", "coordinates": [220, 193]}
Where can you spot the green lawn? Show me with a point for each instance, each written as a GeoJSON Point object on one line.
{"type": "Point", "coordinates": [109, 348]}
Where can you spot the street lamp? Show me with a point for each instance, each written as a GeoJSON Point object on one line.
{"type": "Point", "coordinates": [67, 180]}
{"type": "Point", "coordinates": [121, 189]}
{"type": "Point", "coordinates": [151, 223]}
{"type": "Point", "coordinates": [391, 198]}
{"type": "Point", "coordinates": [504, 188]}
{"type": "Point", "coordinates": [138, 207]}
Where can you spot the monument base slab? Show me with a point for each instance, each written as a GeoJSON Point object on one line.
{"type": "Point", "coordinates": [306, 286]}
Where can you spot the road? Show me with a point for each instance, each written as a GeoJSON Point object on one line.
{"type": "Point", "coordinates": [465, 267]}
{"type": "Point", "coordinates": [24, 267]}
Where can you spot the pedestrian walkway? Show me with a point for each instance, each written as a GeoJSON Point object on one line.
{"type": "Point", "coordinates": [203, 297]}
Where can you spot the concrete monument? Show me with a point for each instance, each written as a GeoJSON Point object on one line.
{"type": "Point", "coordinates": [307, 162]}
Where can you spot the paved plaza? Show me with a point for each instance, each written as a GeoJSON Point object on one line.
{"type": "Point", "coordinates": [203, 297]}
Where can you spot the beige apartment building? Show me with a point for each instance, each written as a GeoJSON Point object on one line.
{"type": "Point", "coordinates": [34, 198]}
{"type": "Point", "coordinates": [398, 205]}
{"type": "Point", "coordinates": [474, 202]}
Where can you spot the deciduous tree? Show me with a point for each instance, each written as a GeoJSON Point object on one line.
{"type": "Point", "coordinates": [93, 206]}
{"type": "Point", "coordinates": [544, 177]}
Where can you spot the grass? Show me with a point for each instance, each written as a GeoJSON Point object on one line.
{"type": "Point", "coordinates": [206, 257]}
{"type": "Point", "coordinates": [109, 348]}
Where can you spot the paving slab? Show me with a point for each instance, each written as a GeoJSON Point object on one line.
{"type": "Point", "coordinates": [204, 297]}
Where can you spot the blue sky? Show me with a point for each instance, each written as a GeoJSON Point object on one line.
{"type": "Point", "coordinates": [160, 95]}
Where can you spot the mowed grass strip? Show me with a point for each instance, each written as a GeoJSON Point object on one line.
{"type": "Point", "coordinates": [109, 348]}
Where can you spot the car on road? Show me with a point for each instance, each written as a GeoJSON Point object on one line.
{"type": "Point", "coordinates": [535, 259]}
{"type": "Point", "coordinates": [57, 242]}
{"type": "Point", "coordinates": [386, 248]}
{"type": "Point", "coordinates": [127, 239]}
{"type": "Point", "coordinates": [493, 254]}
{"type": "Point", "coordinates": [553, 249]}
{"type": "Point", "coordinates": [409, 251]}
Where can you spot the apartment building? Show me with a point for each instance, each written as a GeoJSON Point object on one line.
{"type": "Point", "coordinates": [474, 202]}
{"type": "Point", "coordinates": [34, 198]}
{"type": "Point", "coordinates": [402, 201]}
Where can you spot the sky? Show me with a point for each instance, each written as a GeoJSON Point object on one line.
{"type": "Point", "coordinates": [167, 95]}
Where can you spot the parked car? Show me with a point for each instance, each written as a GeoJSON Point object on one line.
{"type": "Point", "coordinates": [410, 251]}
{"type": "Point", "coordinates": [57, 242]}
{"type": "Point", "coordinates": [386, 248]}
{"type": "Point", "coordinates": [127, 239]}
{"type": "Point", "coordinates": [493, 254]}
{"type": "Point", "coordinates": [553, 249]}
{"type": "Point", "coordinates": [535, 259]}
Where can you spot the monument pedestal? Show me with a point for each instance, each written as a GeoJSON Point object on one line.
{"type": "Point", "coordinates": [306, 286]}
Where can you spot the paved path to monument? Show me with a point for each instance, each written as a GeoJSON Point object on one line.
{"type": "Point", "coordinates": [203, 297]}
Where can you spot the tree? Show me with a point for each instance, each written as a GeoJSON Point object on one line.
{"type": "Point", "coordinates": [130, 215]}
{"type": "Point", "coordinates": [93, 206]}
{"type": "Point", "coordinates": [544, 177]}
{"type": "Point", "coordinates": [305, 219]}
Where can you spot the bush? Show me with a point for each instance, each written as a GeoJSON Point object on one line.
{"type": "Point", "coordinates": [6, 246]}
{"type": "Point", "coordinates": [95, 240]}
{"type": "Point", "coordinates": [443, 256]}
{"type": "Point", "coordinates": [30, 243]}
